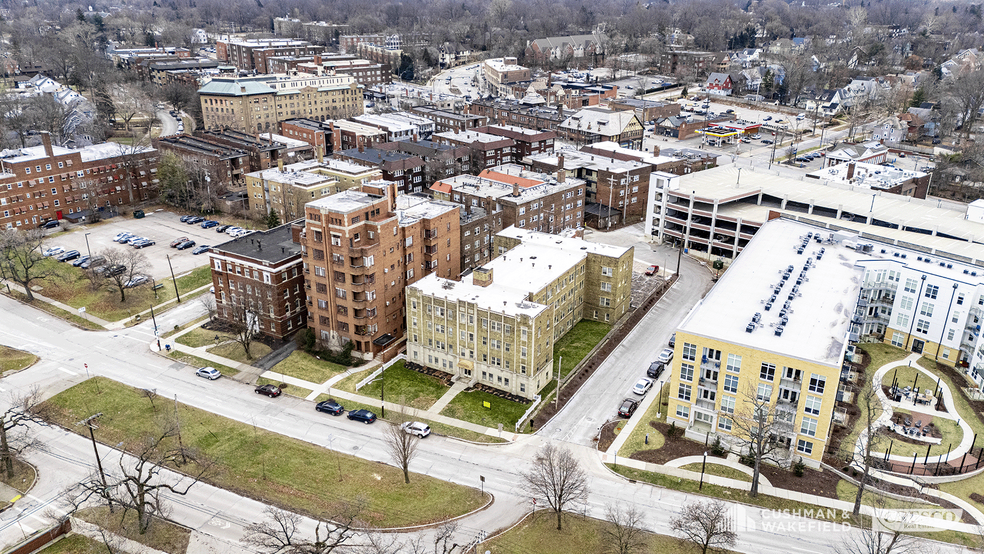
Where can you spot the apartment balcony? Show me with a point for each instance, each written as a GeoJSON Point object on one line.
{"type": "Point", "coordinates": [364, 313]}
{"type": "Point", "coordinates": [430, 234]}
{"type": "Point", "coordinates": [712, 365]}
{"type": "Point", "coordinates": [705, 404]}
{"type": "Point", "coordinates": [360, 297]}
{"type": "Point", "coordinates": [430, 250]}
{"type": "Point", "coordinates": [973, 324]}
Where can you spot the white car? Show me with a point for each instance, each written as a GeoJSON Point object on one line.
{"type": "Point", "coordinates": [231, 231]}
{"type": "Point", "coordinates": [665, 356]}
{"type": "Point", "coordinates": [209, 373]}
{"type": "Point", "coordinates": [53, 251]}
{"type": "Point", "coordinates": [416, 428]}
{"type": "Point", "coordinates": [121, 235]}
{"type": "Point", "coordinates": [642, 386]}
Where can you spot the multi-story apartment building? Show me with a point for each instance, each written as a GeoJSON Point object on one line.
{"type": "Point", "coordinates": [527, 142]}
{"type": "Point", "coordinates": [510, 113]}
{"type": "Point", "coordinates": [512, 195]}
{"type": "Point", "coordinates": [256, 104]}
{"type": "Point", "coordinates": [686, 63]}
{"type": "Point", "coordinates": [285, 189]}
{"type": "Point", "coordinates": [775, 328]}
{"type": "Point", "coordinates": [361, 249]}
{"type": "Point", "coordinates": [264, 152]}
{"type": "Point", "coordinates": [501, 73]}
{"type": "Point", "coordinates": [622, 185]}
{"type": "Point", "coordinates": [440, 160]}
{"type": "Point", "coordinates": [679, 161]}
{"type": "Point", "coordinates": [406, 170]}
{"type": "Point", "coordinates": [646, 110]}
{"type": "Point", "coordinates": [224, 165]}
{"type": "Point", "coordinates": [258, 280]}
{"type": "Point", "coordinates": [602, 124]}
{"type": "Point", "coordinates": [346, 135]}
{"type": "Point", "coordinates": [41, 183]}
{"type": "Point", "coordinates": [399, 126]}
{"type": "Point", "coordinates": [315, 133]}
{"type": "Point", "coordinates": [252, 55]}
{"type": "Point", "coordinates": [348, 44]}
{"type": "Point", "coordinates": [446, 120]}
{"type": "Point", "coordinates": [499, 325]}
{"type": "Point", "coordinates": [486, 150]}
{"type": "Point", "coordinates": [367, 73]}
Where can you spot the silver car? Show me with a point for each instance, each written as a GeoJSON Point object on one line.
{"type": "Point", "coordinates": [665, 356]}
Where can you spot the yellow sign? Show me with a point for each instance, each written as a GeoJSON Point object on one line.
{"type": "Point", "coordinates": [487, 405]}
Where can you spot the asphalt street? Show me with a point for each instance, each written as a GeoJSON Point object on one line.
{"type": "Point", "coordinates": [219, 517]}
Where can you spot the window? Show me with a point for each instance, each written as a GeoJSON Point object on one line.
{"type": "Point", "coordinates": [926, 309]}
{"type": "Point", "coordinates": [922, 326]}
{"type": "Point", "coordinates": [734, 363]}
{"type": "Point", "coordinates": [686, 372]}
{"type": "Point", "coordinates": [606, 272]}
{"type": "Point", "coordinates": [683, 412]}
{"type": "Point", "coordinates": [905, 302]}
{"type": "Point", "coordinates": [607, 287]}
{"type": "Point", "coordinates": [950, 334]}
{"type": "Point", "coordinates": [764, 391]}
{"type": "Point", "coordinates": [932, 291]}
{"type": "Point", "coordinates": [809, 426]}
{"type": "Point", "coordinates": [804, 446]}
{"type": "Point", "coordinates": [817, 383]}
{"type": "Point", "coordinates": [728, 404]}
{"type": "Point", "coordinates": [960, 299]}
{"type": "Point", "coordinates": [730, 383]}
{"type": "Point", "coordinates": [684, 392]}
{"type": "Point", "coordinates": [898, 339]}
{"type": "Point", "coordinates": [902, 320]}
{"type": "Point", "coordinates": [812, 405]}
{"type": "Point", "coordinates": [910, 285]}
{"type": "Point", "coordinates": [689, 352]}
{"type": "Point", "coordinates": [768, 372]}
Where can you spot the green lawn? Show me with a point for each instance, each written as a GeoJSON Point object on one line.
{"type": "Point", "coordinates": [12, 359]}
{"type": "Point", "coordinates": [234, 351]}
{"type": "Point", "coordinates": [576, 344]}
{"type": "Point", "coordinates": [637, 440]}
{"type": "Point", "coordinates": [906, 376]}
{"type": "Point", "coordinates": [288, 389]}
{"type": "Point", "coordinates": [202, 337]}
{"type": "Point", "coordinates": [580, 534]}
{"type": "Point", "coordinates": [882, 353]}
{"type": "Point", "coordinates": [196, 362]}
{"type": "Point", "coordinates": [179, 328]}
{"type": "Point", "coordinates": [952, 435]}
{"type": "Point", "coordinates": [57, 312]}
{"type": "Point", "coordinates": [269, 467]}
{"type": "Point", "coordinates": [405, 386]}
{"type": "Point", "coordinates": [468, 406]}
{"type": "Point", "coordinates": [302, 365]}
{"type": "Point", "coordinates": [74, 544]}
{"type": "Point", "coordinates": [719, 470]}
{"type": "Point", "coordinates": [162, 535]}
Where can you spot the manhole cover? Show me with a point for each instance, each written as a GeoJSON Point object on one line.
{"type": "Point", "coordinates": [355, 448]}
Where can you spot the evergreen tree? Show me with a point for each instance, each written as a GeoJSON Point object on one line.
{"type": "Point", "coordinates": [272, 220]}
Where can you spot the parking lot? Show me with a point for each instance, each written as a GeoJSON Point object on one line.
{"type": "Point", "coordinates": [160, 226]}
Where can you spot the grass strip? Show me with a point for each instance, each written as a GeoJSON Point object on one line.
{"type": "Point", "coordinates": [196, 362]}
{"type": "Point", "coordinates": [161, 535]}
{"type": "Point", "coordinates": [576, 344]}
{"type": "Point", "coordinates": [269, 467]}
{"type": "Point", "coordinates": [12, 359]}
{"type": "Point", "coordinates": [55, 311]}
{"type": "Point", "coordinates": [306, 367]}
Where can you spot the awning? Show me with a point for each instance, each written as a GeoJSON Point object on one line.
{"type": "Point", "coordinates": [384, 340]}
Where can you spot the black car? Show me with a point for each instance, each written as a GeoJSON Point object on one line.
{"type": "Point", "coordinates": [272, 391]}
{"type": "Point", "coordinates": [222, 228]}
{"type": "Point", "coordinates": [185, 245]}
{"type": "Point", "coordinates": [80, 261]}
{"type": "Point", "coordinates": [51, 224]}
{"type": "Point", "coordinates": [201, 249]}
{"type": "Point", "coordinates": [627, 408]}
{"type": "Point", "coordinates": [365, 416]}
{"type": "Point", "coordinates": [655, 369]}
{"type": "Point", "coordinates": [70, 255]}
{"type": "Point", "coordinates": [330, 407]}
{"type": "Point", "coordinates": [113, 270]}
{"type": "Point", "coordinates": [94, 261]}
{"type": "Point", "coordinates": [185, 218]}
{"type": "Point", "coordinates": [195, 219]}
{"type": "Point", "coordinates": [672, 342]}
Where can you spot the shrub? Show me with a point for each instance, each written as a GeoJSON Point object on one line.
{"type": "Point", "coordinates": [717, 449]}
{"type": "Point", "coordinates": [799, 468]}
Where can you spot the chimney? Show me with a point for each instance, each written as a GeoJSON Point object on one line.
{"type": "Point", "coordinates": [259, 245]}
{"type": "Point", "coordinates": [482, 276]}
{"type": "Point", "coordinates": [655, 150]}
{"type": "Point", "coordinates": [280, 165]}
{"type": "Point", "coordinates": [560, 162]}
{"type": "Point", "coordinates": [46, 141]}
{"type": "Point", "coordinates": [321, 154]}
{"type": "Point", "coordinates": [362, 144]}
{"type": "Point", "coordinates": [850, 171]}
{"type": "Point", "coordinates": [515, 189]}
{"type": "Point", "coordinates": [242, 89]}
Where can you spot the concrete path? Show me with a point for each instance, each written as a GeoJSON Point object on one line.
{"type": "Point", "coordinates": [727, 462]}
{"type": "Point", "coordinates": [442, 402]}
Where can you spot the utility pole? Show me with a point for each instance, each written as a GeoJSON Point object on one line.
{"type": "Point", "coordinates": [173, 280]}
{"type": "Point", "coordinates": [557, 395]}
{"type": "Point", "coordinates": [156, 332]}
{"type": "Point", "coordinates": [90, 423]}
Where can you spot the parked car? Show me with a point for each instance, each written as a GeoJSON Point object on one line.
{"type": "Point", "coordinates": [272, 391]}
{"type": "Point", "coordinates": [767, 118]}
{"type": "Point", "coordinates": [756, 136]}
{"type": "Point", "coordinates": [330, 407]}
{"type": "Point", "coordinates": [416, 428]}
{"type": "Point", "coordinates": [113, 270]}
{"type": "Point", "coordinates": [766, 141]}
{"type": "Point", "coordinates": [53, 251]}
{"type": "Point", "coordinates": [119, 236]}
{"type": "Point", "coordinates": [222, 228]}
{"type": "Point", "coordinates": [94, 261]}
{"type": "Point", "coordinates": [134, 239]}
{"type": "Point", "coordinates": [665, 356]}
{"type": "Point", "coordinates": [143, 243]}
{"type": "Point", "coordinates": [51, 224]}
{"type": "Point", "coordinates": [136, 281]}
{"type": "Point", "coordinates": [201, 249]}
{"type": "Point", "coordinates": [642, 386]}
{"type": "Point", "coordinates": [652, 270]}
{"type": "Point", "coordinates": [672, 342]}
{"type": "Point", "coordinates": [231, 231]}
{"type": "Point", "coordinates": [177, 241]}
{"type": "Point", "coordinates": [70, 255]}
{"type": "Point", "coordinates": [195, 219]}
{"type": "Point", "coordinates": [209, 224]}
{"type": "Point", "coordinates": [209, 373]}
{"type": "Point", "coordinates": [186, 245]}
{"type": "Point", "coordinates": [627, 408]}
{"type": "Point", "coordinates": [655, 370]}
{"type": "Point", "coordinates": [365, 416]}
{"type": "Point", "coordinates": [185, 218]}
{"type": "Point", "coordinates": [80, 261]}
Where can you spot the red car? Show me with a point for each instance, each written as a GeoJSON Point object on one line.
{"type": "Point", "coordinates": [272, 391]}
{"type": "Point", "coordinates": [652, 270]}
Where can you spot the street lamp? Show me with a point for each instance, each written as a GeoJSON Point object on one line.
{"type": "Point", "coordinates": [87, 245]}
{"type": "Point", "coordinates": [702, 466]}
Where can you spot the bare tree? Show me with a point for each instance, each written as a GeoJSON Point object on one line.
{"type": "Point", "coordinates": [401, 444]}
{"type": "Point", "coordinates": [706, 525]}
{"type": "Point", "coordinates": [884, 535]}
{"type": "Point", "coordinates": [15, 437]}
{"type": "Point", "coordinates": [92, 197]}
{"type": "Point", "coordinates": [624, 533]}
{"type": "Point", "coordinates": [758, 426]}
{"type": "Point", "coordinates": [208, 302]}
{"type": "Point", "coordinates": [280, 533]}
{"type": "Point", "coordinates": [557, 476]}
{"type": "Point", "coordinates": [871, 435]}
{"type": "Point", "coordinates": [968, 92]}
{"type": "Point", "coordinates": [243, 323]}
{"type": "Point", "coordinates": [21, 258]}
{"type": "Point", "coordinates": [122, 266]}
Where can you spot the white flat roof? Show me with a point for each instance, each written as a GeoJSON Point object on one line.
{"type": "Point", "coordinates": [500, 299]}
{"type": "Point", "coordinates": [565, 243]}
{"type": "Point", "coordinates": [412, 208]}
{"type": "Point", "coordinates": [820, 313]}
{"type": "Point", "coordinates": [290, 142]}
{"type": "Point", "coordinates": [292, 175]}
{"type": "Point", "coordinates": [391, 124]}
{"type": "Point", "coordinates": [471, 136]}
{"type": "Point", "coordinates": [597, 162]}
{"type": "Point", "coordinates": [644, 156]}
{"type": "Point", "coordinates": [344, 202]}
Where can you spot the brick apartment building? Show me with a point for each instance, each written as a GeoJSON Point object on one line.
{"type": "Point", "coordinates": [46, 182]}
{"type": "Point", "coordinates": [257, 104]}
{"type": "Point", "coordinates": [526, 141]}
{"type": "Point", "coordinates": [487, 150]}
{"type": "Point", "coordinates": [440, 160]}
{"type": "Point", "coordinates": [347, 134]}
{"type": "Point", "coordinates": [226, 166]}
{"type": "Point", "coordinates": [445, 120]}
{"type": "Point", "coordinates": [646, 110]}
{"type": "Point", "coordinates": [360, 250]}
{"type": "Point", "coordinates": [366, 72]}
{"type": "Point", "coordinates": [686, 63]}
{"type": "Point", "coordinates": [250, 55]}
{"type": "Point", "coordinates": [505, 113]}
{"type": "Point", "coordinates": [258, 278]}
{"type": "Point", "coordinates": [264, 153]}
{"type": "Point", "coordinates": [285, 189]}
{"type": "Point", "coordinates": [406, 170]}
{"type": "Point", "coordinates": [315, 133]}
